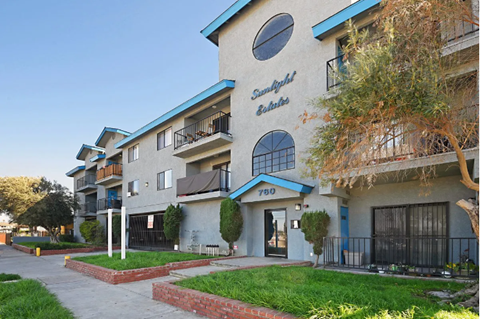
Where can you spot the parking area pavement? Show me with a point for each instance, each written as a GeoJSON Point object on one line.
{"type": "Point", "coordinates": [85, 296]}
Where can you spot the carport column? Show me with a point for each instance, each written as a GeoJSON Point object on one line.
{"type": "Point", "coordinates": [124, 230]}
{"type": "Point", "coordinates": [110, 232]}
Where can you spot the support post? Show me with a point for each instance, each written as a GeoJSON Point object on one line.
{"type": "Point", "coordinates": [124, 230]}
{"type": "Point", "coordinates": [110, 232]}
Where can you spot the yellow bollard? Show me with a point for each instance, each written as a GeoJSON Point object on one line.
{"type": "Point", "coordinates": [66, 257]}
{"type": "Point", "coordinates": [37, 252]}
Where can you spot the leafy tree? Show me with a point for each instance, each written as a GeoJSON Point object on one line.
{"type": "Point", "coordinates": [315, 227]}
{"type": "Point", "coordinates": [402, 92]}
{"type": "Point", "coordinates": [17, 194]}
{"type": "Point", "coordinates": [231, 222]}
{"type": "Point", "coordinates": [53, 210]}
{"type": "Point", "coordinates": [171, 223]}
{"type": "Point", "coordinates": [92, 232]}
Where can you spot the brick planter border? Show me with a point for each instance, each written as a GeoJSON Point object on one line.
{"type": "Point", "coordinates": [123, 276]}
{"type": "Point", "coordinates": [211, 306]}
{"type": "Point", "coordinates": [45, 252]}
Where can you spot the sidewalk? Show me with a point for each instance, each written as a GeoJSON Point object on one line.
{"type": "Point", "coordinates": [86, 296]}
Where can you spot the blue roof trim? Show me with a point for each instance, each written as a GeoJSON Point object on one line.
{"type": "Point", "coordinates": [211, 91]}
{"type": "Point", "coordinates": [294, 186]}
{"type": "Point", "coordinates": [223, 18]}
{"type": "Point", "coordinates": [73, 171]}
{"type": "Point", "coordinates": [97, 157]}
{"type": "Point", "coordinates": [321, 30]}
{"type": "Point", "coordinates": [113, 130]}
{"type": "Point", "coordinates": [93, 148]}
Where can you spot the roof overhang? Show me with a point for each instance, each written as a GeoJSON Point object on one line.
{"type": "Point", "coordinates": [107, 131]}
{"type": "Point", "coordinates": [82, 153]}
{"type": "Point", "coordinates": [72, 172]}
{"type": "Point", "coordinates": [280, 182]}
{"type": "Point", "coordinates": [97, 157]}
{"type": "Point", "coordinates": [336, 22]}
{"type": "Point", "coordinates": [206, 95]}
{"type": "Point", "coordinates": [211, 31]}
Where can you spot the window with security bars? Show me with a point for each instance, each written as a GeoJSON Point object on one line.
{"type": "Point", "coordinates": [164, 180]}
{"type": "Point", "coordinates": [133, 153]}
{"type": "Point", "coordinates": [164, 138]}
{"type": "Point", "coordinates": [274, 152]}
{"type": "Point", "coordinates": [414, 234]}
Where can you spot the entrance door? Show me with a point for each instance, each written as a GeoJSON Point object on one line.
{"type": "Point", "coordinates": [344, 231]}
{"type": "Point", "coordinates": [112, 197]}
{"type": "Point", "coordinates": [276, 233]}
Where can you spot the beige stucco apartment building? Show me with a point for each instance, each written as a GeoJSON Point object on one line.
{"type": "Point", "coordinates": [242, 138]}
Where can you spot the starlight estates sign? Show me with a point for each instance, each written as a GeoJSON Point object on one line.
{"type": "Point", "coordinates": [275, 87]}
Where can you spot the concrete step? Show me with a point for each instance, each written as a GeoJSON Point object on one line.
{"type": "Point", "coordinates": [197, 271]}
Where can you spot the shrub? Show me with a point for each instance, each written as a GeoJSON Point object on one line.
{"type": "Point", "coordinates": [116, 227]}
{"type": "Point", "coordinates": [315, 228]}
{"type": "Point", "coordinates": [92, 232]}
{"type": "Point", "coordinates": [231, 221]}
{"type": "Point", "coordinates": [67, 238]}
{"type": "Point", "coordinates": [171, 222]}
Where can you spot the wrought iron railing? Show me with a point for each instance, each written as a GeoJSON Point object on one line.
{"type": "Point", "coordinates": [215, 180]}
{"type": "Point", "coordinates": [440, 256]}
{"type": "Point", "coordinates": [85, 181]}
{"type": "Point", "coordinates": [218, 122]}
{"type": "Point", "coordinates": [460, 31]}
{"type": "Point", "coordinates": [145, 235]}
{"type": "Point", "coordinates": [109, 170]}
{"type": "Point", "coordinates": [334, 71]}
{"type": "Point", "coordinates": [87, 208]}
{"type": "Point", "coordinates": [107, 203]}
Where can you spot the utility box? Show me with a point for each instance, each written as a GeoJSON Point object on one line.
{"type": "Point", "coordinates": [353, 259]}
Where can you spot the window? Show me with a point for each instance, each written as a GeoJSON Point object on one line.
{"type": "Point", "coordinates": [133, 153]}
{"type": "Point", "coordinates": [164, 138]}
{"type": "Point", "coordinates": [133, 188]}
{"type": "Point", "coordinates": [273, 37]}
{"type": "Point", "coordinates": [274, 152]}
{"type": "Point", "coordinates": [164, 180]}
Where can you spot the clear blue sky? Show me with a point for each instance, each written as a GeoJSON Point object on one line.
{"type": "Point", "coordinates": [70, 68]}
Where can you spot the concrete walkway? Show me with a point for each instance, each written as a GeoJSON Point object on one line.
{"type": "Point", "coordinates": [85, 296]}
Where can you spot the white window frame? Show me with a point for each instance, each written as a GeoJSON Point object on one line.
{"type": "Point", "coordinates": [162, 180]}
{"type": "Point", "coordinates": [134, 151]}
{"type": "Point", "coordinates": [131, 190]}
{"type": "Point", "coordinates": [164, 137]}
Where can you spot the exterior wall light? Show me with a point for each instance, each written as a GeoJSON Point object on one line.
{"type": "Point", "coordinates": [146, 184]}
{"type": "Point", "coordinates": [298, 206]}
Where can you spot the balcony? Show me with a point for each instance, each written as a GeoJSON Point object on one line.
{"type": "Point", "coordinates": [209, 133]}
{"type": "Point", "coordinates": [205, 186]}
{"type": "Point", "coordinates": [87, 209]}
{"type": "Point", "coordinates": [109, 174]}
{"type": "Point", "coordinates": [110, 203]}
{"type": "Point", "coordinates": [420, 255]}
{"type": "Point", "coordinates": [334, 72]}
{"type": "Point", "coordinates": [86, 183]}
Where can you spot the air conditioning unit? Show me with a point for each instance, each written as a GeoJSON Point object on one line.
{"type": "Point", "coordinates": [129, 194]}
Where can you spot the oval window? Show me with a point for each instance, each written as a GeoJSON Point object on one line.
{"type": "Point", "coordinates": [273, 37]}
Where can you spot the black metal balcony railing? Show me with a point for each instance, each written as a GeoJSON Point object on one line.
{"type": "Point", "coordinates": [335, 71]}
{"type": "Point", "coordinates": [440, 256]}
{"type": "Point", "coordinates": [85, 181]}
{"type": "Point", "coordinates": [216, 180]}
{"type": "Point", "coordinates": [218, 122]}
{"type": "Point", "coordinates": [460, 31]}
{"type": "Point", "coordinates": [88, 208]}
{"type": "Point", "coordinates": [107, 203]}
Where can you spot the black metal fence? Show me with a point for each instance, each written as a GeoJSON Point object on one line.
{"type": "Point", "coordinates": [87, 208]}
{"type": "Point", "coordinates": [143, 237]}
{"type": "Point", "coordinates": [85, 181]}
{"type": "Point", "coordinates": [218, 122]}
{"type": "Point", "coordinates": [334, 71]}
{"type": "Point", "coordinates": [107, 203]}
{"type": "Point", "coordinates": [418, 255]}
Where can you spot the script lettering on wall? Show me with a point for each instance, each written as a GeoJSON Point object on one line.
{"type": "Point", "coordinates": [275, 87]}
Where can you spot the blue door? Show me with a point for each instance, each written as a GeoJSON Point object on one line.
{"type": "Point", "coordinates": [344, 231]}
{"type": "Point", "coordinates": [112, 198]}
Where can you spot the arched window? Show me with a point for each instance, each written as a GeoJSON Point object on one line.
{"type": "Point", "coordinates": [274, 152]}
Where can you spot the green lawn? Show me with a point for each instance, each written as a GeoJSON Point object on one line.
{"type": "Point", "coordinates": [313, 293]}
{"type": "Point", "coordinates": [8, 277]}
{"type": "Point", "coordinates": [138, 260]}
{"type": "Point", "coordinates": [29, 299]}
{"type": "Point", "coordinates": [52, 246]}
